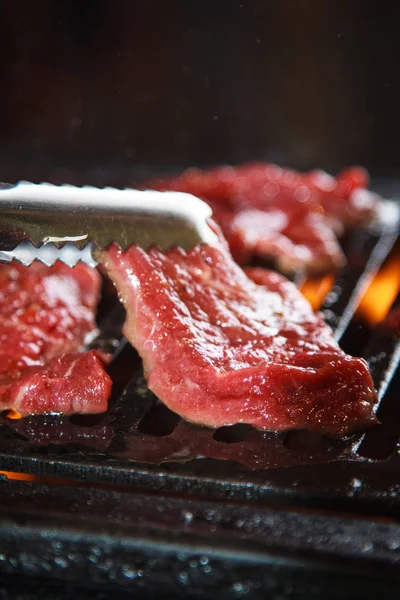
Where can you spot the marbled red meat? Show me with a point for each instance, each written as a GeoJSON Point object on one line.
{"type": "Point", "coordinates": [73, 383]}
{"type": "Point", "coordinates": [293, 218]}
{"type": "Point", "coordinates": [46, 314]}
{"type": "Point", "coordinates": [219, 348]}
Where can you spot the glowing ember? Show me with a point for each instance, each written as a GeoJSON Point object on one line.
{"type": "Point", "coordinates": [382, 292]}
{"type": "Point", "coordinates": [18, 476]}
{"type": "Point", "coordinates": [316, 290]}
{"type": "Point", "coordinates": [13, 414]}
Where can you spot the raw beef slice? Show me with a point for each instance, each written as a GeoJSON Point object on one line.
{"type": "Point", "coordinates": [45, 316]}
{"type": "Point", "coordinates": [272, 213]}
{"type": "Point", "coordinates": [219, 348]}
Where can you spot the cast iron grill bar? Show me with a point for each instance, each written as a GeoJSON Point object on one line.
{"type": "Point", "coordinates": [189, 547]}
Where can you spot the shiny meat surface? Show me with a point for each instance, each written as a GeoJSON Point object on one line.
{"type": "Point", "coordinates": [220, 349]}
{"type": "Point", "coordinates": [73, 383]}
{"type": "Point", "coordinates": [47, 313]}
{"type": "Point", "coordinates": [269, 212]}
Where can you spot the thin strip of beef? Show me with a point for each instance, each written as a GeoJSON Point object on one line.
{"type": "Point", "coordinates": [219, 349]}
{"type": "Point", "coordinates": [45, 315]}
{"type": "Point", "coordinates": [73, 383]}
{"type": "Point", "coordinates": [269, 212]}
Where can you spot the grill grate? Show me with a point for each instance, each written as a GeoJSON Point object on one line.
{"type": "Point", "coordinates": [178, 511]}
{"type": "Point", "coordinates": [140, 442]}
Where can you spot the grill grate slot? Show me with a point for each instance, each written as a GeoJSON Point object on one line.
{"type": "Point", "coordinates": [159, 421]}
{"type": "Point", "coordinates": [383, 357]}
{"type": "Point", "coordinates": [109, 338]}
{"type": "Point", "coordinates": [383, 353]}
{"type": "Point", "coordinates": [382, 441]}
{"type": "Point", "coordinates": [230, 434]}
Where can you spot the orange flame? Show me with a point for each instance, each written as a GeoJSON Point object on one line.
{"type": "Point", "coordinates": [316, 290]}
{"type": "Point", "coordinates": [382, 292]}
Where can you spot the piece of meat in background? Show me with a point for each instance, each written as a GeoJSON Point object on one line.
{"type": "Point", "coordinates": [273, 213]}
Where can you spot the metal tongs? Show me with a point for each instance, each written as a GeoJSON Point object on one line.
{"type": "Point", "coordinates": [47, 222]}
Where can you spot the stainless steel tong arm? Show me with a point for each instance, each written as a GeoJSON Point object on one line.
{"type": "Point", "coordinates": [46, 213]}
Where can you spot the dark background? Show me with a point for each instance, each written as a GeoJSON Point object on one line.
{"type": "Point", "coordinates": [96, 90]}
